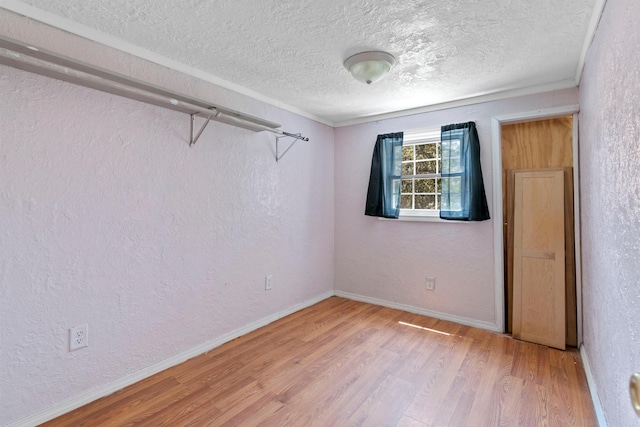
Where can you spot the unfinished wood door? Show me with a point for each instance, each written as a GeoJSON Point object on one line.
{"type": "Point", "coordinates": [569, 253]}
{"type": "Point", "coordinates": [539, 257]}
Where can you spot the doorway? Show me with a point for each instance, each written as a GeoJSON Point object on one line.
{"type": "Point", "coordinates": [532, 141]}
{"type": "Point", "coordinates": [538, 146]}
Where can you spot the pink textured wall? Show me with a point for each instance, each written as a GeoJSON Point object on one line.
{"type": "Point", "coordinates": [389, 260]}
{"type": "Point", "coordinates": [108, 217]}
{"type": "Point", "coordinates": [610, 185]}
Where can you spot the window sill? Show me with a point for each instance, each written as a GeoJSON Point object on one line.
{"type": "Point", "coordinates": [423, 217]}
{"type": "Point", "coordinates": [416, 218]}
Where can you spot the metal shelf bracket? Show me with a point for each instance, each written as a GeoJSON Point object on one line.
{"type": "Point", "coordinates": [295, 136]}
{"type": "Point", "coordinates": [193, 139]}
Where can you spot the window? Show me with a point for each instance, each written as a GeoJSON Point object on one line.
{"type": "Point", "coordinates": [428, 173]}
{"type": "Point", "coordinates": [421, 168]}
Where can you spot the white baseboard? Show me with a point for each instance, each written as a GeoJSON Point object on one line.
{"type": "Point", "coordinates": [90, 396]}
{"type": "Point", "coordinates": [423, 311]}
{"type": "Point", "coordinates": [107, 389]}
{"type": "Point", "coordinates": [597, 405]}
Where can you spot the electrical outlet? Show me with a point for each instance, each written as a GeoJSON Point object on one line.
{"type": "Point", "coordinates": [78, 337]}
{"type": "Point", "coordinates": [267, 283]}
{"type": "Point", "coordinates": [430, 283]}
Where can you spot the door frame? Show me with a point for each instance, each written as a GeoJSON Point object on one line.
{"type": "Point", "coordinates": [498, 220]}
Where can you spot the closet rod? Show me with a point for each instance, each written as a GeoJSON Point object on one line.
{"type": "Point", "coordinates": [32, 59]}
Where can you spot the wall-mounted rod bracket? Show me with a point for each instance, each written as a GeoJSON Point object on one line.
{"type": "Point", "coordinates": [193, 138]}
{"type": "Point", "coordinates": [22, 56]}
{"type": "Point", "coordinates": [295, 136]}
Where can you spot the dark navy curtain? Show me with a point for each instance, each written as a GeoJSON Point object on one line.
{"type": "Point", "coordinates": [383, 196]}
{"type": "Point", "coordinates": [463, 195]}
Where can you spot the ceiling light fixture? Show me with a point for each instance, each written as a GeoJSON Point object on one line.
{"type": "Point", "coordinates": [369, 67]}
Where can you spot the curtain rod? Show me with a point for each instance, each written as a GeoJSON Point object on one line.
{"type": "Point", "coordinates": [33, 59]}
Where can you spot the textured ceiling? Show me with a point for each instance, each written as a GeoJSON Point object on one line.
{"type": "Point", "coordinates": [292, 51]}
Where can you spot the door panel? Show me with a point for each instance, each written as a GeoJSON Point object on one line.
{"type": "Point", "coordinates": [539, 257]}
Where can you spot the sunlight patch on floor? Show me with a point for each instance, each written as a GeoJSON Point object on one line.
{"type": "Point", "coordinates": [426, 329]}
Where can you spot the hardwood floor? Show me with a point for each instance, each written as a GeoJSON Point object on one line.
{"type": "Point", "coordinates": [346, 363]}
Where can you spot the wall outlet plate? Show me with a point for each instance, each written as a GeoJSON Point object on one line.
{"type": "Point", "coordinates": [78, 337]}
{"type": "Point", "coordinates": [430, 283]}
{"type": "Point", "coordinates": [267, 282]}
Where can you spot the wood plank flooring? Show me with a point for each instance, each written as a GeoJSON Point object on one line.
{"type": "Point", "coordinates": [347, 363]}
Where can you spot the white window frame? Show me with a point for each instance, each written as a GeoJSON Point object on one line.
{"type": "Point", "coordinates": [414, 137]}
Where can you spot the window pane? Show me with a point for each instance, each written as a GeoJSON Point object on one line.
{"type": "Point", "coordinates": [425, 202]}
{"type": "Point", "coordinates": [407, 153]}
{"type": "Point", "coordinates": [424, 159]}
{"type": "Point", "coordinates": [452, 166]}
{"type": "Point", "coordinates": [452, 184]}
{"type": "Point", "coordinates": [450, 148]}
{"type": "Point", "coordinates": [428, 166]}
{"type": "Point", "coordinates": [397, 151]}
{"type": "Point", "coordinates": [407, 168]}
{"type": "Point", "coordinates": [452, 203]}
{"type": "Point", "coordinates": [425, 151]}
{"type": "Point", "coordinates": [405, 201]}
{"type": "Point", "coordinates": [407, 186]}
{"type": "Point", "coordinates": [451, 156]}
{"type": "Point", "coordinates": [425, 186]}
{"type": "Point", "coordinates": [455, 184]}
{"type": "Point", "coordinates": [455, 166]}
{"type": "Point", "coordinates": [455, 148]}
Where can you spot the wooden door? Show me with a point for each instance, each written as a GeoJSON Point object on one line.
{"type": "Point", "coordinates": [569, 253]}
{"type": "Point", "coordinates": [539, 257]}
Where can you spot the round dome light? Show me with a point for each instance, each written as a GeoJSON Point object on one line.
{"type": "Point", "coordinates": [369, 67]}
